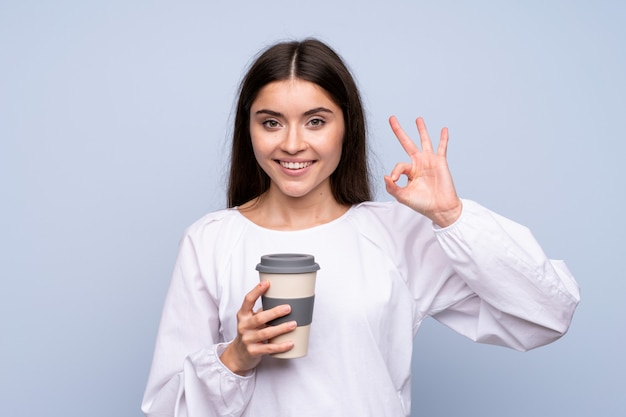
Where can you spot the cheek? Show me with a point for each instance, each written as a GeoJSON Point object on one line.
{"type": "Point", "coordinates": [262, 151]}
{"type": "Point", "coordinates": [257, 151]}
{"type": "Point", "coordinates": [257, 144]}
{"type": "Point", "coordinates": [263, 142]}
{"type": "Point", "coordinates": [260, 156]}
{"type": "Point", "coordinates": [334, 152]}
{"type": "Point", "coordinates": [341, 137]}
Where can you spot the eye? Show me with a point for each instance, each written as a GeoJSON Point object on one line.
{"type": "Point", "coordinates": [317, 122]}
{"type": "Point", "coordinates": [271, 123]}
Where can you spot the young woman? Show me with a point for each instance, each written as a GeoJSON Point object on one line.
{"type": "Point", "coordinates": [299, 183]}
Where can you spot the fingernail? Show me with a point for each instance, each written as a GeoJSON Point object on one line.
{"type": "Point", "coordinates": [286, 308]}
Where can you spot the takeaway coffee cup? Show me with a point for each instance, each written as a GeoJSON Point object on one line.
{"type": "Point", "coordinates": [292, 281]}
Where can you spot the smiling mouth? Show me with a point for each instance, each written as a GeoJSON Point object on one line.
{"type": "Point", "coordinates": [295, 165]}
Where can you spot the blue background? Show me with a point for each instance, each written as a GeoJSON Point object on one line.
{"type": "Point", "coordinates": [114, 125]}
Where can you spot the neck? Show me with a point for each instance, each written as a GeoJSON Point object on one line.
{"type": "Point", "coordinates": [275, 210]}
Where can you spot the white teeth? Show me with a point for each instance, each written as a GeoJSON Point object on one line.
{"type": "Point", "coordinates": [295, 165]}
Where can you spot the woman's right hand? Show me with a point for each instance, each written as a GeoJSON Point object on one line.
{"type": "Point", "coordinates": [251, 343]}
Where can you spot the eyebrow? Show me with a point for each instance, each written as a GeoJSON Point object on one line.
{"type": "Point", "coordinates": [306, 113]}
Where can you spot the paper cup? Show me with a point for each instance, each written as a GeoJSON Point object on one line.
{"type": "Point", "coordinates": [292, 281]}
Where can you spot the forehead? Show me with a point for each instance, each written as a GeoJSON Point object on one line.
{"type": "Point", "coordinates": [293, 93]}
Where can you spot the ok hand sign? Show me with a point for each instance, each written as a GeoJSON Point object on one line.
{"type": "Point", "coordinates": [429, 189]}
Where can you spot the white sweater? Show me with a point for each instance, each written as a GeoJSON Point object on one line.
{"type": "Point", "coordinates": [384, 269]}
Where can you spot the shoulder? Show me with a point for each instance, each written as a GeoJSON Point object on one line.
{"type": "Point", "coordinates": [220, 224]}
{"type": "Point", "coordinates": [387, 213]}
{"type": "Point", "coordinates": [390, 219]}
{"type": "Point", "coordinates": [394, 232]}
{"type": "Point", "coordinates": [211, 239]}
{"type": "Point", "coordinates": [213, 217]}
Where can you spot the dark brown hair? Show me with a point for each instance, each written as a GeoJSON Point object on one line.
{"type": "Point", "coordinates": [308, 60]}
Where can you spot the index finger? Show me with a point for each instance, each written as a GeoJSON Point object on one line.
{"type": "Point", "coordinates": [404, 139]}
{"type": "Point", "coordinates": [250, 299]}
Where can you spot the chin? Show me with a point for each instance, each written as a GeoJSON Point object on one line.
{"type": "Point", "coordinates": [300, 189]}
{"type": "Point", "coordinates": [295, 193]}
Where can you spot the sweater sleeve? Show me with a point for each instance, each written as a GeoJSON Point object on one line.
{"type": "Point", "coordinates": [507, 292]}
{"type": "Point", "coordinates": [187, 378]}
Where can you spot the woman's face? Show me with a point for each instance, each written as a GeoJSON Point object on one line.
{"type": "Point", "coordinates": [297, 132]}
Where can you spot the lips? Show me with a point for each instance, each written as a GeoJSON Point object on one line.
{"type": "Point", "coordinates": [295, 165]}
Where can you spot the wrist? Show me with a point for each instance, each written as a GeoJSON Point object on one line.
{"type": "Point", "coordinates": [448, 217]}
{"type": "Point", "coordinates": [230, 360]}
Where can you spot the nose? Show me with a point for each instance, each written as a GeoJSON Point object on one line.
{"type": "Point", "coordinates": [294, 141]}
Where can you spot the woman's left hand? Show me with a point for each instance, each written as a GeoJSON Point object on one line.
{"type": "Point", "coordinates": [429, 189]}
